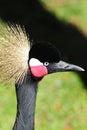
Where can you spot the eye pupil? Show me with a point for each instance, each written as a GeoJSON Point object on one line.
{"type": "Point", "coordinates": [46, 63]}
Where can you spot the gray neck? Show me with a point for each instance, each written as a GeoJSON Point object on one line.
{"type": "Point", "coordinates": [26, 100]}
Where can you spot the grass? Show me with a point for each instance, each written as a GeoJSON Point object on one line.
{"type": "Point", "coordinates": [61, 103]}
{"type": "Point", "coordinates": [73, 11]}
{"type": "Point", "coordinates": [7, 107]}
{"type": "Point", "coordinates": [62, 99]}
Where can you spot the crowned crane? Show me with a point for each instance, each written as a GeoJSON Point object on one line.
{"type": "Point", "coordinates": [24, 65]}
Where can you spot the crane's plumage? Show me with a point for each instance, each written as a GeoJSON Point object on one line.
{"type": "Point", "coordinates": [14, 53]}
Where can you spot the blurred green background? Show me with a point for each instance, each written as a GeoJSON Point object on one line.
{"type": "Point", "coordinates": [62, 99]}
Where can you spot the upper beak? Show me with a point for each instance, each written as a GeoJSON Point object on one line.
{"type": "Point", "coordinates": [62, 66]}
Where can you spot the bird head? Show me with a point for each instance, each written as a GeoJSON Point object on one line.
{"type": "Point", "coordinates": [44, 59]}
{"type": "Point", "coordinates": [18, 57]}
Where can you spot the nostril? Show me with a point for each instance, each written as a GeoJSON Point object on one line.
{"type": "Point", "coordinates": [67, 66]}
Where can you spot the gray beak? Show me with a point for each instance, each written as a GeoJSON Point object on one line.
{"type": "Point", "coordinates": [66, 66]}
{"type": "Point", "coordinates": [62, 66]}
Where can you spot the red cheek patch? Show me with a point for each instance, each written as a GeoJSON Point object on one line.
{"type": "Point", "coordinates": [38, 71]}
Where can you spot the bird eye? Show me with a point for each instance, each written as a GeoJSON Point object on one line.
{"type": "Point", "coordinates": [46, 63]}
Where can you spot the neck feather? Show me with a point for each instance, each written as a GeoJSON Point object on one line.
{"type": "Point", "coordinates": [26, 100]}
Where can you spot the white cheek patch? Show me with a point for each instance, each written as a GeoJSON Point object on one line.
{"type": "Point", "coordinates": [35, 62]}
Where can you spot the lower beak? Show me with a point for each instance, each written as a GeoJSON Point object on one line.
{"type": "Point", "coordinates": [62, 66]}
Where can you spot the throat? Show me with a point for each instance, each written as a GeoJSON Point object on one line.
{"type": "Point", "coordinates": [26, 102]}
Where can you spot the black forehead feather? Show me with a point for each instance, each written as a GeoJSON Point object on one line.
{"type": "Point", "coordinates": [44, 51]}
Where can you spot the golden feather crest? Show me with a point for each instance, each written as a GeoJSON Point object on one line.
{"type": "Point", "coordinates": [14, 53]}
